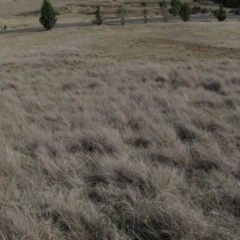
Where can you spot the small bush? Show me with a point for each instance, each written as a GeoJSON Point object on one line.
{"type": "Point", "coordinates": [196, 9]}
{"type": "Point", "coordinates": [176, 6]}
{"type": "Point", "coordinates": [121, 13]}
{"type": "Point", "coordinates": [145, 15]}
{"type": "Point", "coordinates": [98, 16]}
{"type": "Point", "coordinates": [165, 14]}
{"type": "Point", "coordinates": [220, 14]}
{"type": "Point", "coordinates": [204, 10]}
{"type": "Point", "coordinates": [175, 3]}
{"type": "Point", "coordinates": [163, 4]}
{"type": "Point", "coordinates": [174, 11]}
{"type": "Point", "coordinates": [56, 11]}
{"type": "Point", "coordinates": [236, 11]}
{"type": "Point", "coordinates": [185, 12]}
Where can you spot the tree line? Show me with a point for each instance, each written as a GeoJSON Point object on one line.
{"type": "Point", "coordinates": [48, 17]}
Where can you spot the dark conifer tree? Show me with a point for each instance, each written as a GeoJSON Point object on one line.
{"type": "Point", "coordinates": [185, 12]}
{"type": "Point", "coordinates": [220, 13]}
{"type": "Point", "coordinates": [48, 15]}
{"type": "Point", "coordinates": [98, 16]}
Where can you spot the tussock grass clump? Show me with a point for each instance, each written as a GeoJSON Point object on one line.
{"type": "Point", "coordinates": [184, 133]}
{"type": "Point", "coordinates": [100, 140]}
{"type": "Point", "coordinates": [205, 161]}
{"type": "Point", "coordinates": [214, 87]}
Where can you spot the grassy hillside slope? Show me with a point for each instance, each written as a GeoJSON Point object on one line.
{"type": "Point", "coordinates": [25, 13]}
{"type": "Point", "coordinates": [106, 134]}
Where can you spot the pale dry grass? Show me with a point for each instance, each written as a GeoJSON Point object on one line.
{"type": "Point", "coordinates": [10, 7]}
{"type": "Point", "coordinates": [30, 21]}
{"type": "Point", "coordinates": [134, 147]}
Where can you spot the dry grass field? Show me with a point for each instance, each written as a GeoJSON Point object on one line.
{"type": "Point", "coordinates": [121, 133]}
{"type": "Point", "coordinates": [10, 7]}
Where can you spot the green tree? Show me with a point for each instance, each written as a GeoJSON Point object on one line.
{"type": "Point", "coordinates": [176, 6]}
{"type": "Point", "coordinates": [196, 9]}
{"type": "Point", "coordinates": [175, 3]}
{"type": "Point", "coordinates": [145, 15]}
{"type": "Point", "coordinates": [163, 3]}
{"type": "Point", "coordinates": [122, 12]}
{"type": "Point", "coordinates": [185, 12]}
{"type": "Point", "coordinates": [164, 10]}
{"type": "Point", "coordinates": [165, 13]}
{"type": "Point", "coordinates": [48, 15]}
{"type": "Point", "coordinates": [220, 13]}
{"type": "Point", "coordinates": [98, 16]}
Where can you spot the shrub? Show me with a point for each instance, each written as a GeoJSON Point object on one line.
{"type": "Point", "coordinates": [122, 12]}
{"type": "Point", "coordinates": [220, 14]}
{"type": "Point", "coordinates": [57, 12]}
{"type": "Point", "coordinates": [236, 11]}
{"type": "Point", "coordinates": [176, 6]}
{"type": "Point", "coordinates": [196, 9]}
{"type": "Point", "coordinates": [204, 10]}
{"type": "Point", "coordinates": [175, 3]}
{"type": "Point", "coordinates": [185, 12]}
{"type": "Point", "coordinates": [145, 15]}
{"type": "Point", "coordinates": [143, 4]}
{"type": "Point", "coordinates": [163, 4]}
{"type": "Point", "coordinates": [174, 11]}
{"type": "Point", "coordinates": [165, 14]}
{"type": "Point", "coordinates": [98, 16]}
{"type": "Point", "coordinates": [48, 15]}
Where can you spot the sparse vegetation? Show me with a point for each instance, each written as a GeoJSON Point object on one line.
{"type": "Point", "coordinates": [145, 15]}
{"type": "Point", "coordinates": [48, 15]}
{"type": "Point", "coordinates": [164, 10]}
{"type": "Point", "coordinates": [165, 14]}
{"type": "Point", "coordinates": [121, 13]}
